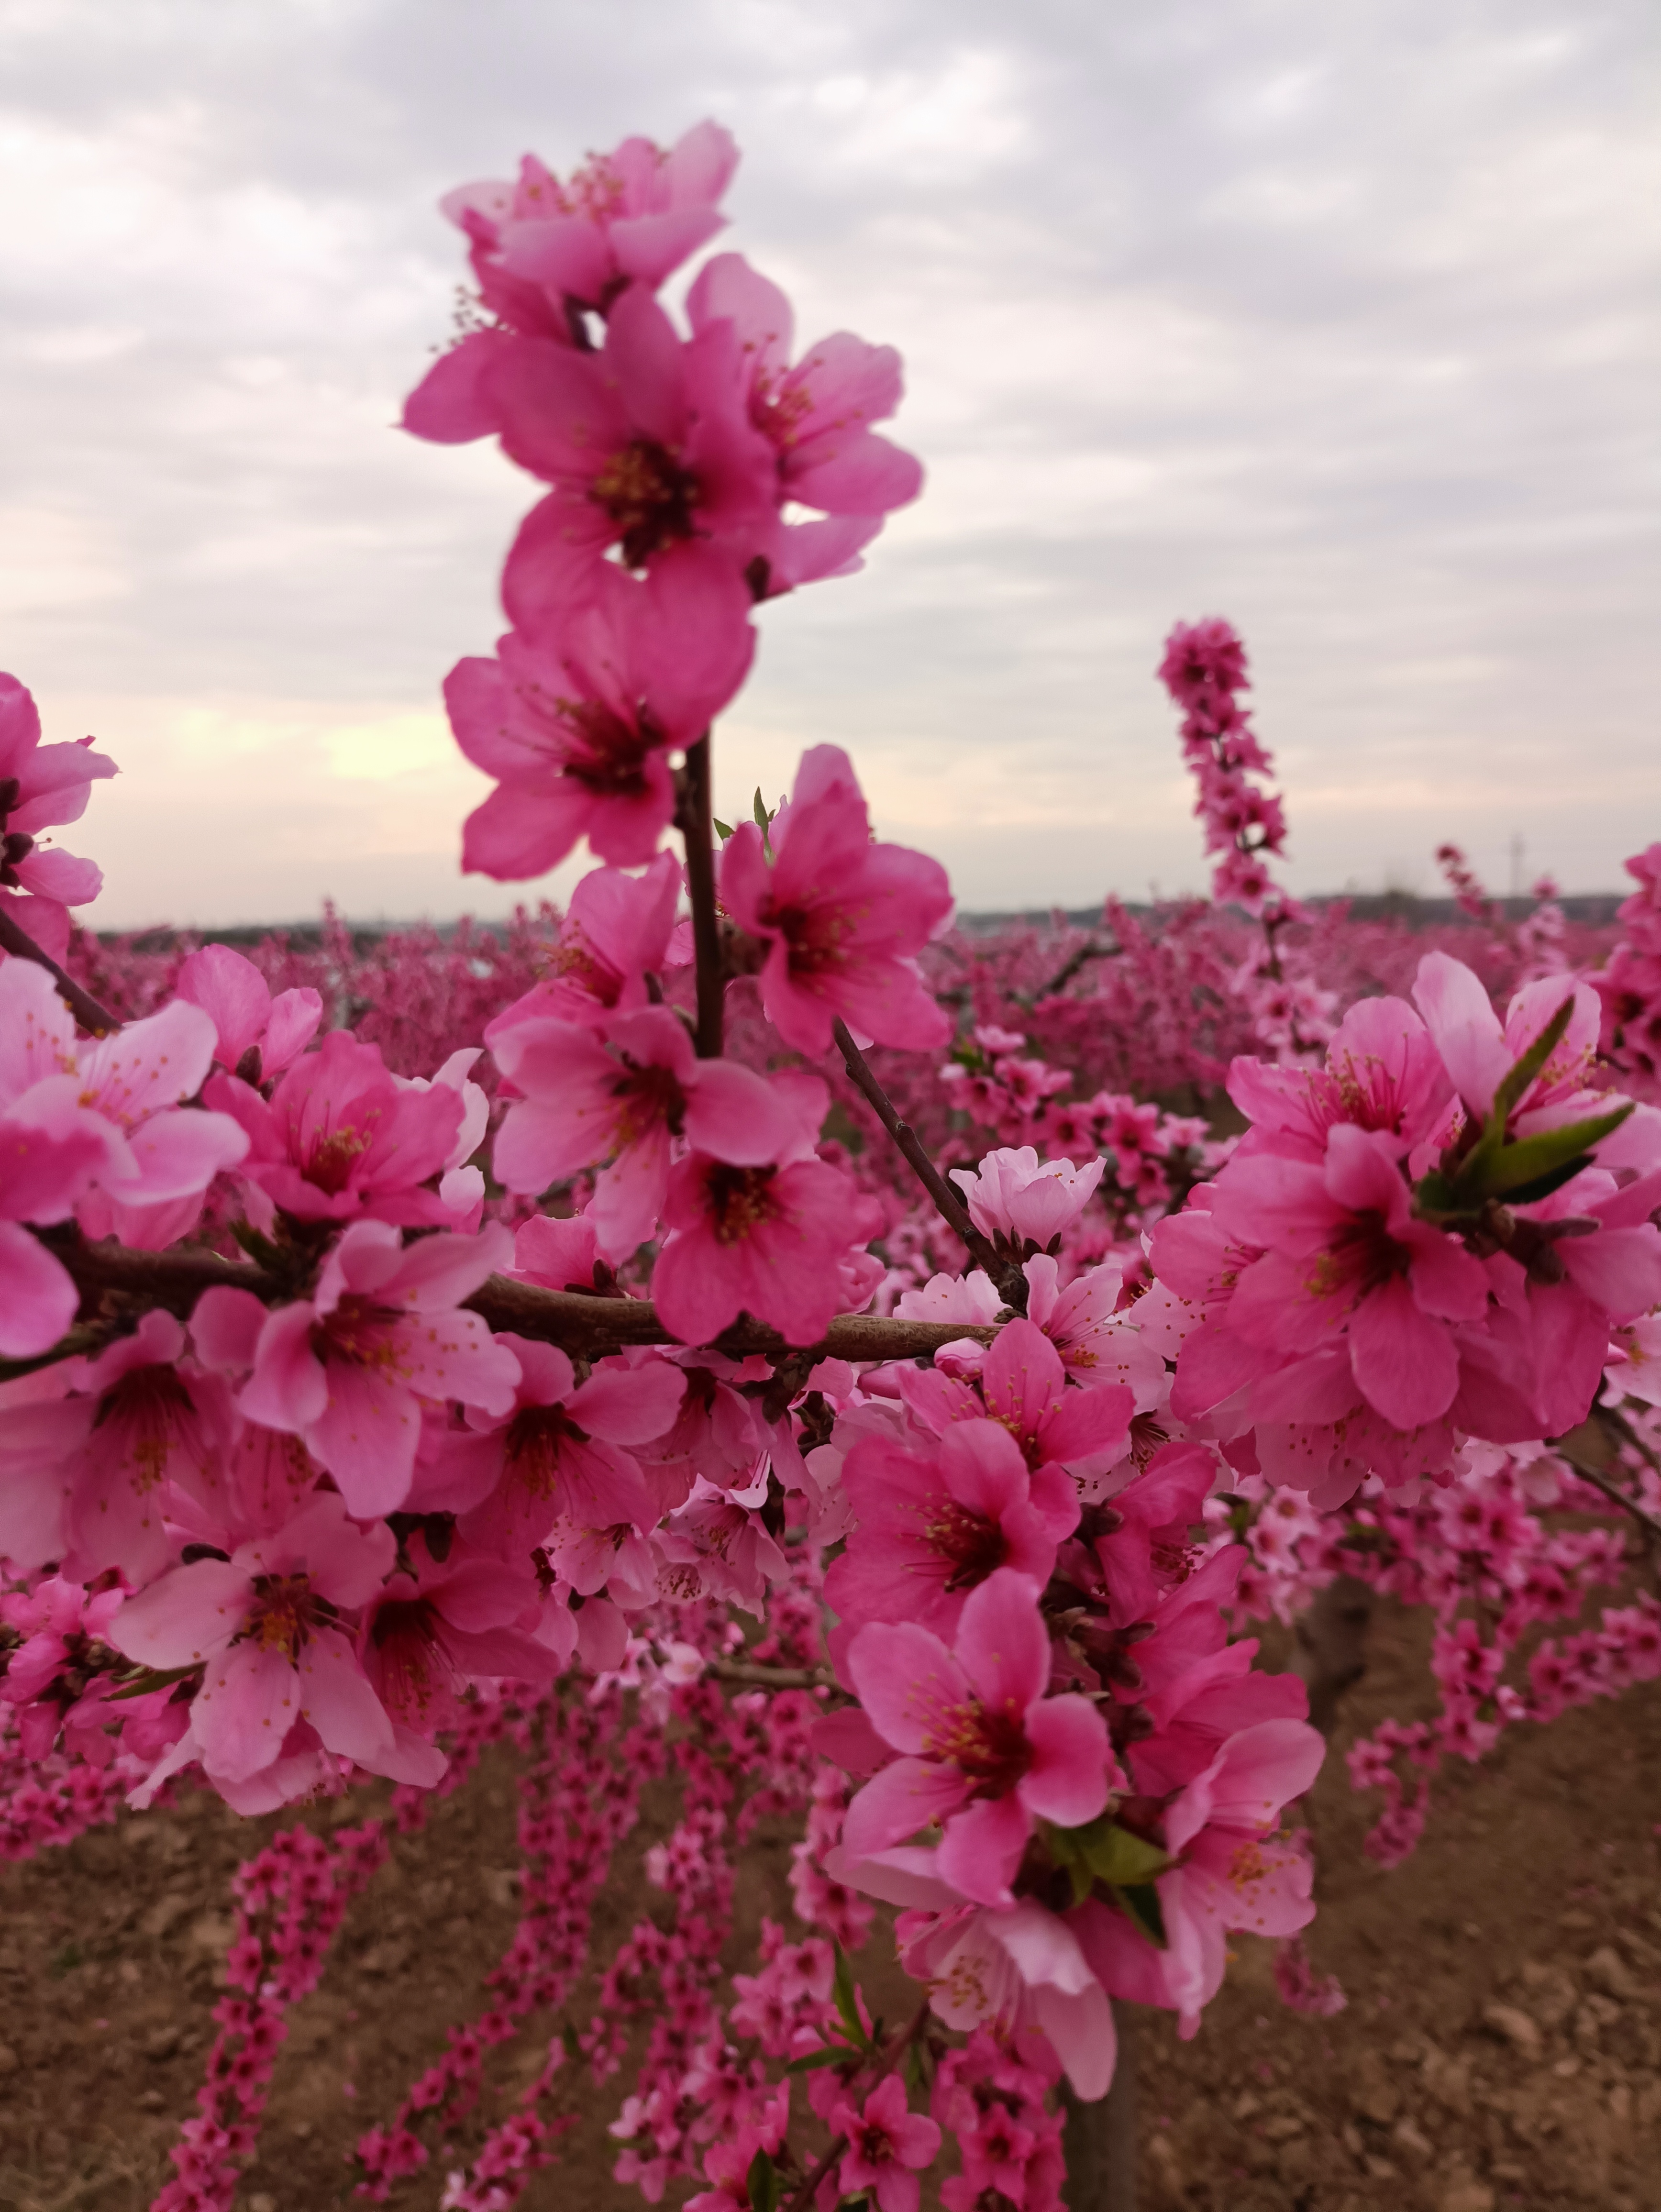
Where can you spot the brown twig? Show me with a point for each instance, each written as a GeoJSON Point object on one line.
{"type": "Point", "coordinates": [695, 820]}
{"type": "Point", "coordinates": [81, 1004]}
{"type": "Point", "coordinates": [771, 1678]}
{"type": "Point", "coordinates": [571, 1318]}
{"type": "Point", "coordinates": [951, 1208]}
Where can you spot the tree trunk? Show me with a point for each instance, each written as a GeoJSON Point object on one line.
{"type": "Point", "coordinates": [1099, 2143]}
{"type": "Point", "coordinates": [1332, 1646]}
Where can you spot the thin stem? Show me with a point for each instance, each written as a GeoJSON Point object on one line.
{"type": "Point", "coordinates": [947, 1204]}
{"type": "Point", "coordinates": [694, 819]}
{"type": "Point", "coordinates": [808, 2190]}
{"type": "Point", "coordinates": [81, 1004]}
{"type": "Point", "coordinates": [1612, 1490]}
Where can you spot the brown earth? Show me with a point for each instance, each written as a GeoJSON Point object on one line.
{"type": "Point", "coordinates": [1501, 2047]}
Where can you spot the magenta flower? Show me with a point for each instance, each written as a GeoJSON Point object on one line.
{"type": "Point", "coordinates": [888, 2146]}
{"type": "Point", "coordinates": [615, 932]}
{"type": "Point", "coordinates": [41, 786]}
{"type": "Point", "coordinates": [1022, 1385]}
{"type": "Point", "coordinates": [768, 1241]}
{"type": "Point", "coordinates": [347, 1370]}
{"type": "Point", "coordinates": [817, 415]}
{"type": "Point", "coordinates": [986, 1751]}
{"type": "Point", "coordinates": [543, 252]}
{"type": "Point", "coordinates": [265, 1625]}
{"type": "Point", "coordinates": [425, 1636]}
{"type": "Point", "coordinates": [928, 1530]}
{"type": "Point", "coordinates": [561, 1452]}
{"type": "Point", "coordinates": [1096, 1343]}
{"type": "Point", "coordinates": [1232, 1874]}
{"type": "Point", "coordinates": [1343, 1255]}
{"type": "Point", "coordinates": [843, 918]}
{"type": "Point", "coordinates": [1022, 1202]}
{"type": "Point", "coordinates": [235, 997]}
{"type": "Point", "coordinates": [577, 728]}
{"type": "Point", "coordinates": [342, 1139]}
{"type": "Point", "coordinates": [646, 446]}
{"type": "Point", "coordinates": [1478, 1052]}
{"type": "Point", "coordinates": [628, 1093]}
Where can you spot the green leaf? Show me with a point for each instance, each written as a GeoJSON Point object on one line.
{"type": "Point", "coordinates": [814, 2059]}
{"type": "Point", "coordinates": [1103, 1851]}
{"type": "Point", "coordinates": [1141, 1901]}
{"type": "Point", "coordinates": [723, 829]}
{"type": "Point", "coordinates": [1517, 1078]}
{"type": "Point", "coordinates": [847, 1997]}
{"type": "Point", "coordinates": [155, 1677]}
{"type": "Point", "coordinates": [1547, 1151]}
{"type": "Point", "coordinates": [762, 2184]}
{"type": "Point", "coordinates": [758, 808]}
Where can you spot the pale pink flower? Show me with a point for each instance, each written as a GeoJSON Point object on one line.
{"type": "Point", "coordinates": [987, 1753]}
{"type": "Point", "coordinates": [627, 1092]}
{"type": "Point", "coordinates": [347, 1369]}
{"type": "Point", "coordinates": [1382, 1073]}
{"type": "Point", "coordinates": [1022, 1202]}
{"type": "Point", "coordinates": [246, 1019]}
{"type": "Point", "coordinates": [576, 726]}
{"type": "Point", "coordinates": [843, 918]}
{"type": "Point", "coordinates": [1097, 1344]}
{"type": "Point", "coordinates": [888, 2146]}
{"type": "Point", "coordinates": [1478, 1052]}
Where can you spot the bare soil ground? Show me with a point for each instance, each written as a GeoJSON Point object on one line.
{"type": "Point", "coordinates": [1501, 2047]}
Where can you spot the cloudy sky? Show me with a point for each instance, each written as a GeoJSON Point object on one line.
{"type": "Point", "coordinates": [1340, 321]}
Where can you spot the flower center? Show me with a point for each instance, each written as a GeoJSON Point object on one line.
{"type": "Point", "coordinates": [741, 1199]}
{"type": "Point", "coordinates": [333, 1157]}
{"type": "Point", "coordinates": [152, 1407]}
{"type": "Point", "coordinates": [650, 497]}
{"type": "Point", "coordinates": [536, 1435]}
{"type": "Point", "coordinates": [972, 1545]}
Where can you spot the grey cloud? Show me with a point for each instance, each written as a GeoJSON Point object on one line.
{"type": "Point", "coordinates": [1338, 321]}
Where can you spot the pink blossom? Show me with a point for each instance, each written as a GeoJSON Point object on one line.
{"type": "Point", "coordinates": [646, 446]}
{"type": "Point", "coordinates": [1478, 1052]}
{"type": "Point", "coordinates": [1024, 1203]}
{"type": "Point", "coordinates": [1021, 1385]}
{"type": "Point", "coordinates": [816, 415]}
{"type": "Point", "coordinates": [843, 918]}
{"type": "Point", "coordinates": [561, 1452]}
{"type": "Point", "coordinates": [41, 786]}
{"type": "Point", "coordinates": [246, 1019]}
{"type": "Point", "coordinates": [888, 2146]}
{"type": "Point", "coordinates": [543, 251]}
{"type": "Point", "coordinates": [265, 1625]}
{"type": "Point", "coordinates": [1382, 1073]}
{"type": "Point", "coordinates": [342, 1139]}
{"type": "Point", "coordinates": [428, 1634]}
{"type": "Point", "coordinates": [615, 932]}
{"type": "Point", "coordinates": [1097, 1344]}
{"type": "Point", "coordinates": [347, 1369]}
{"type": "Point", "coordinates": [576, 728]}
{"type": "Point", "coordinates": [1232, 1874]}
{"type": "Point", "coordinates": [986, 1751]}
{"type": "Point", "coordinates": [627, 1092]}
{"type": "Point", "coordinates": [931, 1529]}
{"type": "Point", "coordinates": [1343, 1253]}
{"type": "Point", "coordinates": [767, 1240]}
